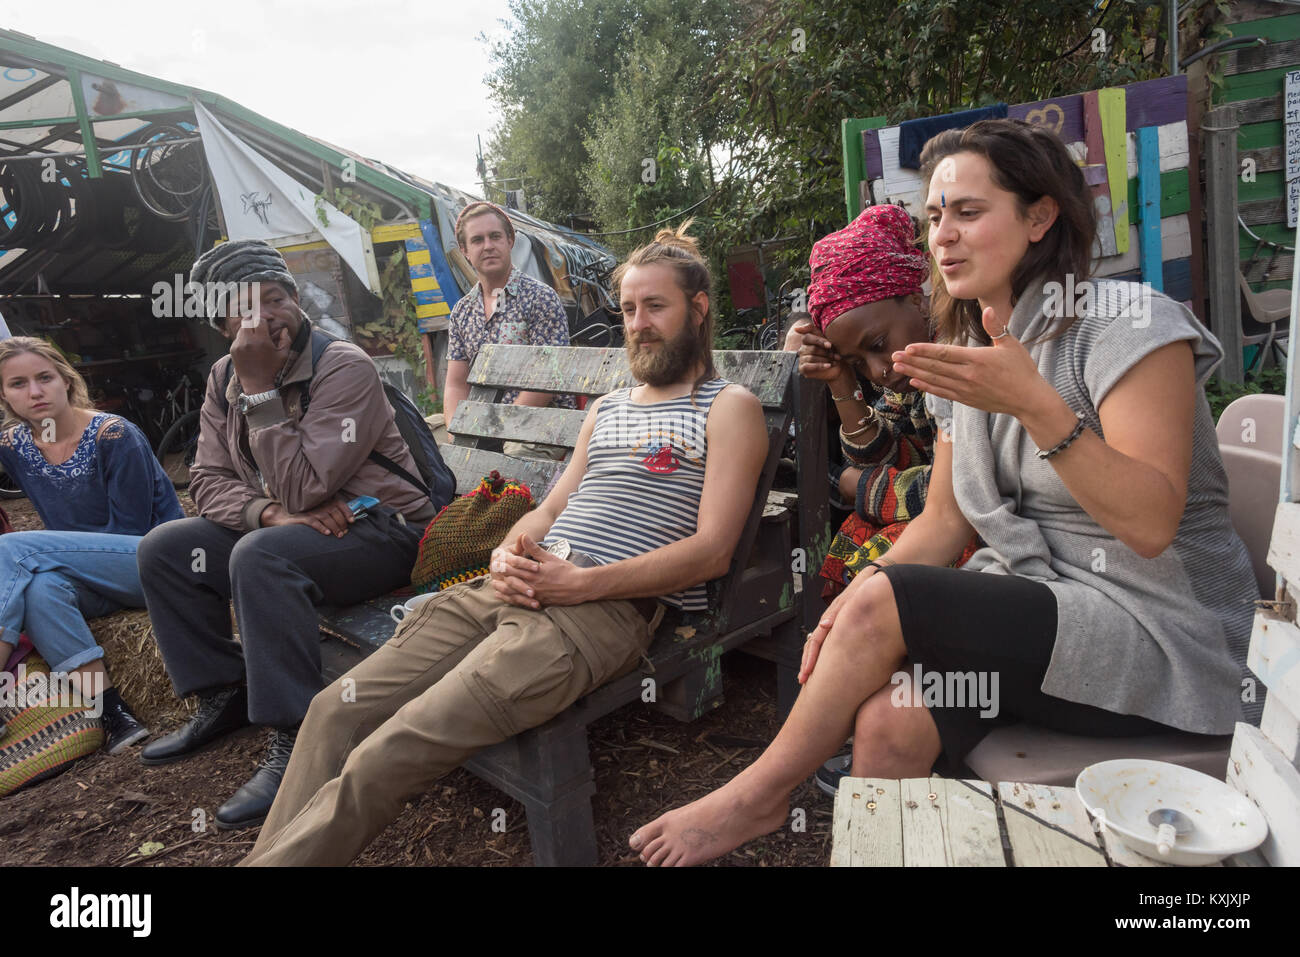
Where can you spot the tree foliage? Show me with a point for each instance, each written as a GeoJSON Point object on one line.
{"type": "Point", "coordinates": [741, 101]}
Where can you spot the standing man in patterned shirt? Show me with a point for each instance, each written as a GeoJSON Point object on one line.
{"type": "Point", "coordinates": [504, 306]}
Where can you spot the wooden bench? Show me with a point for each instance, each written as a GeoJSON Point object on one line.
{"type": "Point", "coordinates": [757, 604]}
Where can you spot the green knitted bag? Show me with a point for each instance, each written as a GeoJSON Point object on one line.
{"type": "Point", "coordinates": [458, 543]}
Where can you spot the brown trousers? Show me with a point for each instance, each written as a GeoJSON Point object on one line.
{"type": "Point", "coordinates": [461, 673]}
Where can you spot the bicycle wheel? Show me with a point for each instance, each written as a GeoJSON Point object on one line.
{"type": "Point", "coordinates": [8, 487]}
{"type": "Point", "coordinates": [177, 448]}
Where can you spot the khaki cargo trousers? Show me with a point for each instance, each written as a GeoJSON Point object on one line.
{"type": "Point", "coordinates": [464, 671]}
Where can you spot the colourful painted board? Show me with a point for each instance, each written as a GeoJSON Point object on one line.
{"type": "Point", "coordinates": [1148, 150]}
{"type": "Point", "coordinates": [1111, 108]}
{"type": "Point", "coordinates": [854, 166]}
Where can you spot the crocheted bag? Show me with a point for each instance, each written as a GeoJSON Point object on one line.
{"type": "Point", "coordinates": [41, 741]}
{"type": "Point", "coordinates": [458, 543]}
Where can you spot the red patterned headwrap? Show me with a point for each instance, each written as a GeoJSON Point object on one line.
{"type": "Point", "coordinates": [874, 257]}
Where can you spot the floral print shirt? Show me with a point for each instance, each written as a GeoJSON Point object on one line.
{"type": "Point", "coordinates": [527, 313]}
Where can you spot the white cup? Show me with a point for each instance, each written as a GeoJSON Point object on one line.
{"type": "Point", "coordinates": [398, 612]}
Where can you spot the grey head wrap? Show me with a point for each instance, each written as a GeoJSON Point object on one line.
{"type": "Point", "coordinates": [242, 260]}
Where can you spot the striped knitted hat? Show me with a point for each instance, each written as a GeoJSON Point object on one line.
{"type": "Point", "coordinates": [458, 543]}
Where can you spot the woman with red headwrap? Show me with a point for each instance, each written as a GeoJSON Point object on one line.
{"type": "Point", "coordinates": [866, 303]}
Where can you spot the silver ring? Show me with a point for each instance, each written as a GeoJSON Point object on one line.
{"type": "Point", "coordinates": [1005, 333]}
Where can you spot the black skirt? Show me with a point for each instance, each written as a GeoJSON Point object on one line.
{"type": "Point", "coordinates": [978, 647]}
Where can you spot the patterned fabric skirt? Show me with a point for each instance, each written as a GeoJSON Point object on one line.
{"type": "Point", "coordinates": [859, 543]}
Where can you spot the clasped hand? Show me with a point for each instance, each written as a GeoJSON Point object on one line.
{"type": "Point", "coordinates": [1003, 378]}
{"type": "Point", "coordinates": [525, 574]}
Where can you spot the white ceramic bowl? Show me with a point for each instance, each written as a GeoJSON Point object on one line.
{"type": "Point", "coordinates": [1123, 794]}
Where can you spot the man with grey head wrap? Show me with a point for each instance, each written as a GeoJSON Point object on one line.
{"type": "Point", "coordinates": [285, 441]}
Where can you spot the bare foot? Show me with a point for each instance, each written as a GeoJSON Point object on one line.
{"type": "Point", "coordinates": [717, 823]}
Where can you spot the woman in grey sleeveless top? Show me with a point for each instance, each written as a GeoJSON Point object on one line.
{"type": "Point", "coordinates": [1111, 595]}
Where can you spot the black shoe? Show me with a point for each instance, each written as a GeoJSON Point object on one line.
{"type": "Point", "coordinates": [121, 728]}
{"type": "Point", "coordinates": [219, 713]}
{"type": "Point", "coordinates": [250, 805]}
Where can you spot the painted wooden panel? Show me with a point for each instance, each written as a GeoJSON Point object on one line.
{"type": "Point", "coordinates": [1175, 243]}
{"type": "Point", "coordinates": [897, 179]}
{"type": "Point", "coordinates": [1149, 156]}
{"type": "Point", "coordinates": [1110, 106]}
{"type": "Point", "coordinates": [871, 154]}
{"type": "Point", "coordinates": [1156, 102]}
{"type": "Point", "coordinates": [1274, 655]}
{"type": "Point", "coordinates": [1063, 115]}
{"type": "Point", "coordinates": [1173, 148]}
{"type": "Point", "coordinates": [1259, 771]}
{"type": "Point", "coordinates": [1177, 279]}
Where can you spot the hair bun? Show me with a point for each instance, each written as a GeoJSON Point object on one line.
{"type": "Point", "coordinates": [679, 239]}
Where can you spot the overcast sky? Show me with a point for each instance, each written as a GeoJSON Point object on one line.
{"type": "Point", "coordinates": [397, 80]}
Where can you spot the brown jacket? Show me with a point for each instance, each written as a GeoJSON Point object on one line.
{"type": "Point", "coordinates": [275, 454]}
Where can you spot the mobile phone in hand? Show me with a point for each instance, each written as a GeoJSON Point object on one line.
{"type": "Point", "coordinates": [361, 503]}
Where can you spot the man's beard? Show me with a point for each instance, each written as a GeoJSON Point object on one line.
{"type": "Point", "coordinates": [668, 364]}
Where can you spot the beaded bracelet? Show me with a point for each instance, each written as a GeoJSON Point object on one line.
{"type": "Point", "coordinates": [1064, 444]}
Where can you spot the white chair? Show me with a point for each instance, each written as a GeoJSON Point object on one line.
{"type": "Point", "coordinates": [1250, 435]}
{"type": "Point", "coordinates": [1259, 321]}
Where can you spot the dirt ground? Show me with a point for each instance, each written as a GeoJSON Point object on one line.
{"type": "Point", "coordinates": [113, 811]}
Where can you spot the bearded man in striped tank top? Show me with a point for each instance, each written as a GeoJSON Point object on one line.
{"type": "Point", "coordinates": [649, 509]}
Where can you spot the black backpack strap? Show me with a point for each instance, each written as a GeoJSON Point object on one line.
{"type": "Point", "coordinates": [380, 459]}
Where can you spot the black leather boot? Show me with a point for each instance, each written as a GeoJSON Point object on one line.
{"type": "Point", "coordinates": [121, 728]}
{"type": "Point", "coordinates": [250, 805]}
{"type": "Point", "coordinates": [220, 712]}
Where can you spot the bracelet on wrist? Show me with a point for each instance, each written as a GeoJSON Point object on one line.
{"type": "Point", "coordinates": [855, 395]}
{"type": "Point", "coordinates": [868, 421]}
{"type": "Point", "coordinates": [1066, 442]}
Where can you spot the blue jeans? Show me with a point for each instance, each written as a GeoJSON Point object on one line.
{"type": "Point", "coordinates": [51, 582]}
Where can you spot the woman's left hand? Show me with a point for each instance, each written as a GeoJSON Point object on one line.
{"type": "Point", "coordinates": [1003, 378]}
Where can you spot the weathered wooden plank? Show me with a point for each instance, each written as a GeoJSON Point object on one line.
{"type": "Point", "coordinates": [1219, 134]}
{"type": "Point", "coordinates": [1259, 109]}
{"type": "Point", "coordinates": [1258, 770]}
{"type": "Point", "coordinates": [974, 839]}
{"type": "Point", "coordinates": [924, 822]}
{"type": "Point", "coordinates": [517, 423]}
{"type": "Point", "coordinates": [1149, 159]}
{"type": "Point", "coordinates": [1259, 211]}
{"type": "Point", "coordinates": [1243, 14]}
{"type": "Point", "coordinates": [1267, 160]}
{"type": "Point", "coordinates": [470, 465]}
{"type": "Point", "coordinates": [1282, 728]}
{"type": "Point", "coordinates": [1274, 655]}
{"type": "Point", "coordinates": [1284, 544]}
{"type": "Point", "coordinates": [1275, 55]}
{"type": "Point", "coordinates": [591, 372]}
{"type": "Point", "coordinates": [867, 824]}
{"type": "Point", "coordinates": [1048, 827]}
{"type": "Point", "coordinates": [897, 179]}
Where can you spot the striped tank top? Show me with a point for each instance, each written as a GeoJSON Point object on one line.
{"type": "Point", "coordinates": [645, 474]}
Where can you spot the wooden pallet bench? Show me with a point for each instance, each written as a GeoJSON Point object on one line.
{"type": "Point", "coordinates": [756, 605]}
